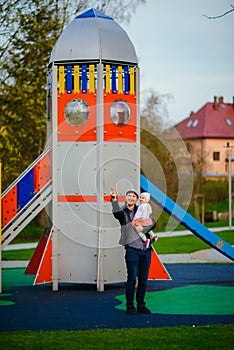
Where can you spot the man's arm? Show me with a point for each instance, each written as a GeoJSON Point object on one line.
{"type": "Point", "coordinates": [116, 210]}
{"type": "Point", "coordinates": [150, 227]}
{"type": "Point", "coordinates": [153, 223]}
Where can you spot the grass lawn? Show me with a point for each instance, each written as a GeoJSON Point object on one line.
{"type": "Point", "coordinates": [31, 233]}
{"type": "Point", "coordinates": [215, 337]}
{"type": "Point", "coordinates": [168, 245]}
{"type": "Point", "coordinates": [187, 244]}
{"type": "Point", "coordinates": [21, 254]}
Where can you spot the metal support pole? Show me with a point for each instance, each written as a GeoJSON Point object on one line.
{"type": "Point", "coordinates": [0, 227]}
{"type": "Point", "coordinates": [138, 123]}
{"type": "Point", "coordinates": [230, 189]}
{"type": "Point", "coordinates": [54, 162]}
{"type": "Point", "coordinates": [100, 208]}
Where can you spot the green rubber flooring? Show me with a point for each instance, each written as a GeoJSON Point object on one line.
{"type": "Point", "coordinates": [192, 299]}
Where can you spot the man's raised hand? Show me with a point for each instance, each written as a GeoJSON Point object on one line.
{"type": "Point", "coordinates": [113, 194]}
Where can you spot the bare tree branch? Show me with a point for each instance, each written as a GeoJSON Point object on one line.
{"type": "Point", "coordinates": [219, 16]}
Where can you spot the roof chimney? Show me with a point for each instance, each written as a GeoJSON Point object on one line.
{"type": "Point", "coordinates": [215, 106]}
{"type": "Point", "coordinates": [220, 100]}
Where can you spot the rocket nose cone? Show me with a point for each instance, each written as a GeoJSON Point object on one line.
{"type": "Point", "coordinates": [92, 35]}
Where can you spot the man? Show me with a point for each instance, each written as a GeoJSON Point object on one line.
{"type": "Point", "coordinates": [137, 256]}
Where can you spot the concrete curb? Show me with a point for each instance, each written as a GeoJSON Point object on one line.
{"type": "Point", "coordinates": [202, 256]}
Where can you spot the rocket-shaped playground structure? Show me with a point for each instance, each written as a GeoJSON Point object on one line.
{"type": "Point", "coordinates": [93, 143]}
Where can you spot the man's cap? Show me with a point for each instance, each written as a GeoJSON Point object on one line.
{"type": "Point", "coordinates": [132, 191]}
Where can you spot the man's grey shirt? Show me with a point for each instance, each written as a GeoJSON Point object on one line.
{"type": "Point", "coordinates": [129, 236]}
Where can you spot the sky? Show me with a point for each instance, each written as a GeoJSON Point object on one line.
{"type": "Point", "coordinates": [184, 54]}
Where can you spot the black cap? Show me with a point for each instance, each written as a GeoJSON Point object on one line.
{"type": "Point", "coordinates": [132, 191]}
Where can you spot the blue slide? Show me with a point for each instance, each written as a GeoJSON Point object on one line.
{"type": "Point", "coordinates": [186, 219]}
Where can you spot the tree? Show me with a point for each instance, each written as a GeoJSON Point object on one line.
{"type": "Point", "coordinates": [120, 10]}
{"type": "Point", "coordinates": [219, 16]}
{"type": "Point", "coordinates": [29, 30]}
{"type": "Point", "coordinates": [165, 160]}
{"type": "Point", "coordinates": [155, 151]}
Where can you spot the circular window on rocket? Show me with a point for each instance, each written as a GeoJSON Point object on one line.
{"type": "Point", "coordinates": [76, 112]}
{"type": "Point", "coordinates": [120, 112]}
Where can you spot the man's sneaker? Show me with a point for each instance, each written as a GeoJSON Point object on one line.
{"type": "Point", "coordinates": [154, 238]}
{"type": "Point", "coordinates": [131, 310]}
{"type": "Point", "coordinates": [143, 310]}
{"type": "Point", "coordinates": [147, 243]}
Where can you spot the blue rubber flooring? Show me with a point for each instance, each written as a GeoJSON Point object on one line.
{"type": "Point", "coordinates": [81, 307]}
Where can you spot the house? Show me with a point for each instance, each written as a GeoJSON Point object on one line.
{"type": "Point", "coordinates": [209, 135]}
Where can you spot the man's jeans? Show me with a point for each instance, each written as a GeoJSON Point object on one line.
{"type": "Point", "coordinates": [138, 263]}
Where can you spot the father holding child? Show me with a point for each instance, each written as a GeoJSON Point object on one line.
{"type": "Point", "coordinates": [137, 252]}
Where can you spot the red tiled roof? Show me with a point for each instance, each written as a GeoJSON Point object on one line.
{"type": "Point", "coordinates": [208, 122]}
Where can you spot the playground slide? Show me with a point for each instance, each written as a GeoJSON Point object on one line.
{"type": "Point", "coordinates": [186, 219]}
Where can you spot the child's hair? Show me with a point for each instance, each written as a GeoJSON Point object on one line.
{"type": "Point", "coordinates": [147, 196]}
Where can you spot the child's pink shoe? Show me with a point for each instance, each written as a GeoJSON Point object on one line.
{"type": "Point", "coordinates": [154, 238]}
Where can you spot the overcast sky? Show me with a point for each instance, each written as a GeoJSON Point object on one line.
{"type": "Point", "coordinates": [183, 53]}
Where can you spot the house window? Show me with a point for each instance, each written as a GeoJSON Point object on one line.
{"type": "Point", "coordinates": [190, 122]}
{"type": "Point", "coordinates": [228, 121]}
{"type": "Point", "coordinates": [216, 156]}
{"type": "Point", "coordinates": [195, 123]}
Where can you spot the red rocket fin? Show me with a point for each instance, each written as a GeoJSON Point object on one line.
{"type": "Point", "coordinates": [44, 272]}
{"type": "Point", "coordinates": [157, 269]}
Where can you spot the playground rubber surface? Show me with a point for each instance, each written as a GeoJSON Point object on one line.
{"type": "Point", "coordinates": [198, 294]}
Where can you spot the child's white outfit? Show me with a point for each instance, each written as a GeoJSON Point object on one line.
{"type": "Point", "coordinates": [142, 217]}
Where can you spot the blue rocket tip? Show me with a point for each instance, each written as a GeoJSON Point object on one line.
{"type": "Point", "coordinates": [93, 13]}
